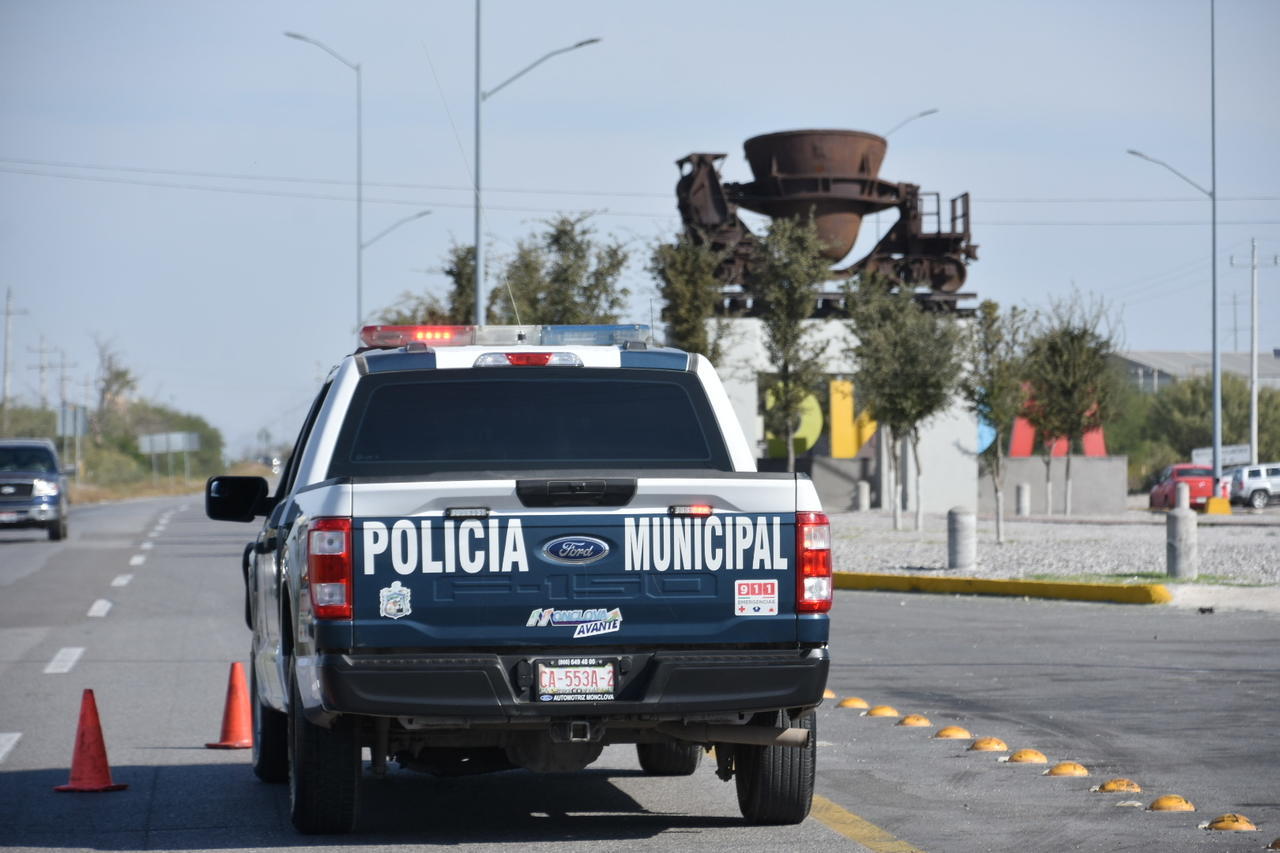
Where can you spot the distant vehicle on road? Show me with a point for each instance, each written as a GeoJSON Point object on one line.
{"type": "Point", "coordinates": [1199, 480]}
{"type": "Point", "coordinates": [32, 490]}
{"type": "Point", "coordinates": [1255, 485]}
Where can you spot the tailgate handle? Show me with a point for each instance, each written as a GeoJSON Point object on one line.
{"type": "Point", "coordinates": [610, 491]}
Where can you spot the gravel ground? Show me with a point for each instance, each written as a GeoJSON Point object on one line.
{"type": "Point", "coordinates": [1240, 549]}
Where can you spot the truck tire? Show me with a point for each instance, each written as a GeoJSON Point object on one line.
{"type": "Point", "coordinates": [270, 737]}
{"type": "Point", "coordinates": [324, 771]}
{"type": "Point", "coordinates": [775, 783]}
{"type": "Point", "coordinates": [58, 529]}
{"type": "Point", "coordinates": [669, 759]}
{"type": "Point", "coordinates": [1259, 499]}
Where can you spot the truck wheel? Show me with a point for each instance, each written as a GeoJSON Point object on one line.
{"type": "Point", "coordinates": [58, 529]}
{"type": "Point", "coordinates": [775, 783]}
{"type": "Point", "coordinates": [324, 771]}
{"type": "Point", "coordinates": [270, 737]}
{"type": "Point", "coordinates": [669, 759]}
{"type": "Point", "coordinates": [1257, 500]}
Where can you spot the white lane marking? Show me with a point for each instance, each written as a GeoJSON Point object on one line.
{"type": "Point", "coordinates": [121, 580]}
{"type": "Point", "coordinates": [148, 545]}
{"type": "Point", "coordinates": [137, 559]}
{"type": "Point", "coordinates": [101, 607]}
{"type": "Point", "coordinates": [64, 660]}
{"type": "Point", "coordinates": [156, 533]}
{"type": "Point", "coordinates": [8, 740]}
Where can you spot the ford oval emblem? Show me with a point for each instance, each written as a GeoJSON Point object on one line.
{"type": "Point", "coordinates": [575, 550]}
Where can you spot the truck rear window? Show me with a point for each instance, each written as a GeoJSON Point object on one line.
{"type": "Point", "coordinates": [422, 422]}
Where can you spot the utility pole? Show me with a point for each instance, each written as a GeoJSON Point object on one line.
{"type": "Point", "coordinates": [1235, 322]}
{"type": "Point", "coordinates": [1253, 346]}
{"type": "Point", "coordinates": [43, 366]}
{"type": "Point", "coordinates": [62, 367]}
{"type": "Point", "coordinates": [9, 314]}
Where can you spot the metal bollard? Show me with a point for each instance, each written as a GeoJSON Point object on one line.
{"type": "Point", "coordinates": [962, 538]}
{"type": "Point", "coordinates": [1023, 492]}
{"type": "Point", "coordinates": [863, 496]}
{"type": "Point", "coordinates": [1182, 555]}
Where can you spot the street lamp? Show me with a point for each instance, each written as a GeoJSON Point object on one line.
{"type": "Point", "coordinates": [360, 244]}
{"type": "Point", "coordinates": [910, 119]}
{"type": "Point", "coordinates": [1213, 277]}
{"type": "Point", "coordinates": [393, 226]}
{"type": "Point", "coordinates": [481, 96]}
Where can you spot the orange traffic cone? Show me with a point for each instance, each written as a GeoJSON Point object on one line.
{"type": "Point", "coordinates": [237, 719]}
{"type": "Point", "coordinates": [89, 769]}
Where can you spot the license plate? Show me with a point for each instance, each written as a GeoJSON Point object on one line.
{"type": "Point", "coordinates": [8, 516]}
{"type": "Point", "coordinates": [570, 679]}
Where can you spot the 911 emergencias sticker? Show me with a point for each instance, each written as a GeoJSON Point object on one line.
{"type": "Point", "coordinates": [755, 598]}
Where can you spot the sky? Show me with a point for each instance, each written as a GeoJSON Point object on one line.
{"type": "Point", "coordinates": [177, 179]}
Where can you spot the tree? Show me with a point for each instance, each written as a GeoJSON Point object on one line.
{"type": "Point", "coordinates": [786, 278]}
{"type": "Point", "coordinates": [992, 385]}
{"type": "Point", "coordinates": [686, 274]}
{"type": "Point", "coordinates": [1071, 385]}
{"type": "Point", "coordinates": [563, 275]}
{"type": "Point", "coordinates": [1181, 415]}
{"type": "Point", "coordinates": [115, 381]}
{"type": "Point", "coordinates": [906, 366]}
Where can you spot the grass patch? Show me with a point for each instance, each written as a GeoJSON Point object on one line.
{"type": "Point", "coordinates": [91, 493]}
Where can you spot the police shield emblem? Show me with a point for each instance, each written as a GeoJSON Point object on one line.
{"type": "Point", "coordinates": [394, 601]}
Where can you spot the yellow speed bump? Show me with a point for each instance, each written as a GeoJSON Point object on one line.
{"type": "Point", "coordinates": [1233, 823]}
{"type": "Point", "coordinates": [914, 720]}
{"type": "Point", "coordinates": [953, 732]}
{"type": "Point", "coordinates": [1119, 785]}
{"type": "Point", "coordinates": [988, 744]}
{"type": "Point", "coordinates": [1028, 756]}
{"type": "Point", "coordinates": [883, 711]}
{"type": "Point", "coordinates": [852, 702]}
{"type": "Point", "coordinates": [828, 694]}
{"type": "Point", "coordinates": [1067, 768]}
{"type": "Point", "coordinates": [1171, 803]}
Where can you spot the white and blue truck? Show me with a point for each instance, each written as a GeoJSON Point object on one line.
{"type": "Point", "coordinates": [499, 547]}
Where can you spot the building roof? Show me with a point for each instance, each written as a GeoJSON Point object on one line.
{"type": "Point", "coordinates": [1185, 365]}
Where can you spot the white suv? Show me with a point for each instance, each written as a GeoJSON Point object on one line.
{"type": "Point", "coordinates": [1255, 485]}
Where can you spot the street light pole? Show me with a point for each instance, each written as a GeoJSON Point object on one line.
{"type": "Point", "coordinates": [1213, 277]}
{"type": "Point", "coordinates": [360, 243]}
{"type": "Point", "coordinates": [910, 119]}
{"type": "Point", "coordinates": [1212, 193]}
{"type": "Point", "coordinates": [393, 226]}
{"type": "Point", "coordinates": [480, 97]}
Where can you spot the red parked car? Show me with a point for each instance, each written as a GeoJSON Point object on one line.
{"type": "Point", "coordinates": [1199, 480]}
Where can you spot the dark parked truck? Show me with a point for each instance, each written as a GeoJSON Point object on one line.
{"type": "Point", "coordinates": [500, 547]}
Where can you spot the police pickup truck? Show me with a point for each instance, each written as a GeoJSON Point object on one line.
{"type": "Point", "coordinates": [503, 547]}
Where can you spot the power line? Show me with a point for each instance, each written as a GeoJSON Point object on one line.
{"type": "Point", "coordinates": [604, 212]}
{"type": "Point", "coordinates": [241, 176]}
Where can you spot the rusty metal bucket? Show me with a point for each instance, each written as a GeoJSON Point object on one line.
{"type": "Point", "coordinates": [831, 173]}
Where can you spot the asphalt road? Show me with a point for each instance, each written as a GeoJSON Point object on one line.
{"type": "Point", "coordinates": [1181, 702]}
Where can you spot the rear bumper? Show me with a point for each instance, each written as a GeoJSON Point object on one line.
{"type": "Point", "coordinates": [496, 688]}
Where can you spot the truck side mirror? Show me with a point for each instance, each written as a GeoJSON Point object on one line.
{"type": "Point", "coordinates": [236, 498]}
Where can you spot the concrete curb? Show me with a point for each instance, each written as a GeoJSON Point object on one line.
{"type": "Point", "coordinates": [1147, 593]}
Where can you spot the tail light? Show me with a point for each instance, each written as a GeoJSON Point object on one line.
{"type": "Point", "coordinates": [813, 563]}
{"type": "Point", "coordinates": [329, 567]}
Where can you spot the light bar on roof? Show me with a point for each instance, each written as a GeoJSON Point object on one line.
{"type": "Point", "coordinates": [453, 336]}
{"type": "Point", "coordinates": [435, 336]}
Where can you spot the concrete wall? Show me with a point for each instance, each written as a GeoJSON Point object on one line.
{"type": "Point", "coordinates": [947, 442]}
{"type": "Point", "coordinates": [1099, 485]}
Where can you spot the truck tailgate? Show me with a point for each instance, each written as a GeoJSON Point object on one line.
{"type": "Point", "coordinates": [429, 576]}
